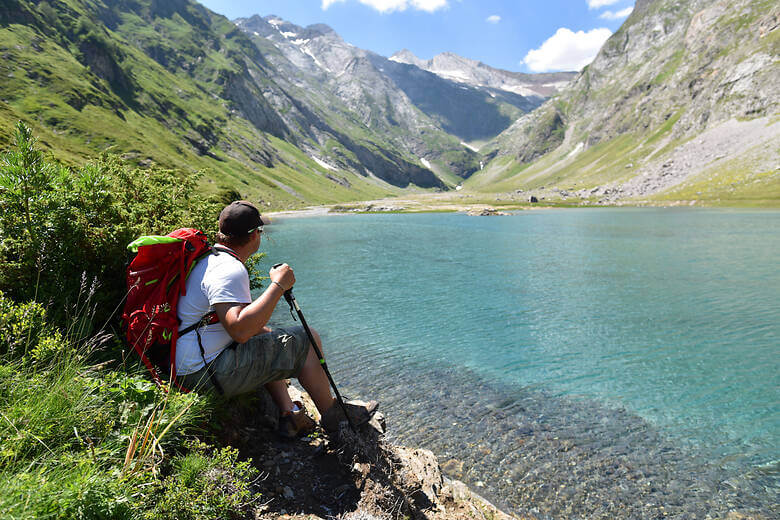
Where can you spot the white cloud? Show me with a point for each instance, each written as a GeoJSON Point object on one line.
{"type": "Point", "coordinates": [609, 15]}
{"type": "Point", "coordinates": [567, 50]}
{"type": "Point", "coordinates": [494, 18]}
{"type": "Point", "coordinates": [595, 4]}
{"type": "Point", "coordinates": [386, 6]}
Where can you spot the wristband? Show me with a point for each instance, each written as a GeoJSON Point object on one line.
{"type": "Point", "coordinates": [280, 285]}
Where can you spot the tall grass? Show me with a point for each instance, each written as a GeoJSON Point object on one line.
{"type": "Point", "coordinates": [84, 432]}
{"type": "Point", "coordinates": [82, 440]}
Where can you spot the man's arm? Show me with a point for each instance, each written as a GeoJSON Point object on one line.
{"type": "Point", "coordinates": [242, 321]}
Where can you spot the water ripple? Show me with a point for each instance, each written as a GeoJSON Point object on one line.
{"type": "Point", "coordinates": [616, 358]}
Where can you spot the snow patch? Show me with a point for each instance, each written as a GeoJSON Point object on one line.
{"type": "Point", "coordinates": [425, 163]}
{"type": "Point", "coordinates": [577, 149]}
{"type": "Point", "coordinates": [521, 90]}
{"type": "Point", "coordinates": [276, 22]}
{"type": "Point", "coordinates": [316, 61]}
{"type": "Point", "coordinates": [467, 145]}
{"type": "Point", "coordinates": [300, 41]}
{"type": "Point", "coordinates": [324, 164]}
{"type": "Point", "coordinates": [454, 74]}
{"type": "Point", "coordinates": [288, 35]}
{"type": "Point", "coordinates": [256, 33]}
{"type": "Point", "coordinates": [559, 85]}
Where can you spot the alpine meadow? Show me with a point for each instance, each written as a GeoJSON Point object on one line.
{"type": "Point", "coordinates": [603, 344]}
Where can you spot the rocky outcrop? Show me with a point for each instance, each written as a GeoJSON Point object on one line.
{"type": "Point", "coordinates": [350, 475]}
{"type": "Point", "coordinates": [102, 60]}
{"type": "Point", "coordinates": [486, 212]}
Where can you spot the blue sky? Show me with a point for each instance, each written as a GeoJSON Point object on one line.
{"type": "Point", "coordinates": [518, 35]}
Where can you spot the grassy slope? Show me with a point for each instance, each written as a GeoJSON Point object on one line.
{"type": "Point", "coordinates": [731, 182]}
{"type": "Point", "coordinates": [740, 180]}
{"type": "Point", "coordinates": [76, 114]}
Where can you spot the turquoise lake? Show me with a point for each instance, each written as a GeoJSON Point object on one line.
{"type": "Point", "coordinates": [610, 345]}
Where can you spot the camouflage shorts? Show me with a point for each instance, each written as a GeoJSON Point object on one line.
{"type": "Point", "coordinates": [276, 355]}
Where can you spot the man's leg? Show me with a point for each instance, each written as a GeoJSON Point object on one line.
{"type": "Point", "coordinates": [313, 379]}
{"type": "Point", "coordinates": [278, 391]}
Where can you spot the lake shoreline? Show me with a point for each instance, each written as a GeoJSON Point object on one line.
{"type": "Point", "coordinates": [445, 205]}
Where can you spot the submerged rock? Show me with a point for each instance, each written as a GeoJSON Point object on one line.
{"type": "Point", "coordinates": [486, 212]}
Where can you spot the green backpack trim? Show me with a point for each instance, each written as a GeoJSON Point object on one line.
{"type": "Point", "coordinates": [150, 240]}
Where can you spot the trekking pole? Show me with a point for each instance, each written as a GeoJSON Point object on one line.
{"type": "Point", "coordinates": [293, 303]}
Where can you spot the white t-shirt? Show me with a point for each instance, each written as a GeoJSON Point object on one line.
{"type": "Point", "coordinates": [217, 278]}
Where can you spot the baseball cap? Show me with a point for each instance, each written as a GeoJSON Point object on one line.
{"type": "Point", "coordinates": [239, 218]}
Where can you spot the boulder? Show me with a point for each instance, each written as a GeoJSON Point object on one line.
{"type": "Point", "coordinates": [418, 475]}
{"type": "Point", "coordinates": [486, 212]}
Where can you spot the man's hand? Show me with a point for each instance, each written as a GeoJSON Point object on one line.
{"type": "Point", "coordinates": [282, 275]}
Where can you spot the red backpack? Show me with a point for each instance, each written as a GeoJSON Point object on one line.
{"type": "Point", "coordinates": [156, 277]}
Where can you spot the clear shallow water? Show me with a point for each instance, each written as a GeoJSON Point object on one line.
{"type": "Point", "coordinates": [553, 348]}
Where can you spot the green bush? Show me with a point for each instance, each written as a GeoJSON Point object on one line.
{"type": "Point", "coordinates": [65, 491]}
{"type": "Point", "coordinates": [21, 326]}
{"type": "Point", "coordinates": [63, 232]}
{"type": "Point", "coordinates": [66, 425]}
{"type": "Point", "coordinates": [79, 440]}
{"type": "Point", "coordinates": [205, 485]}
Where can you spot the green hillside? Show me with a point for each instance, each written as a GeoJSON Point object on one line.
{"type": "Point", "coordinates": [161, 83]}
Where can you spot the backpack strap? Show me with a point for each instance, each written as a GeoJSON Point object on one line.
{"type": "Point", "coordinates": [208, 319]}
{"type": "Point", "coordinates": [217, 249]}
{"type": "Point", "coordinates": [209, 369]}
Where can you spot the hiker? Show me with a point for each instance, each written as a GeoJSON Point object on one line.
{"type": "Point", "coordinates": [240, 352]}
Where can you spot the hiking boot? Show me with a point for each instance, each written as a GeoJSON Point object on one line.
{"type": "Point", "coordinates": [294, 424]}
{"type": "Point", "coordinates": [360, 412]}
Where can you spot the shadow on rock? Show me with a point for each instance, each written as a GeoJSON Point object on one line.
{"type": "Point", "coordinates": [351, 475]}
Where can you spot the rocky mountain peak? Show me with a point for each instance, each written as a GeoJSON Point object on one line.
{"type": "Point", "coordinates": [408, 57]}
{"type": "Point", "coordinates": [256, 25]}
{"type": "Point", "coordinates": [454, 67]}
{"type": "Point", "coordinates": [320, 29]}
{"type": "Point", "coordinates": [450, 58]}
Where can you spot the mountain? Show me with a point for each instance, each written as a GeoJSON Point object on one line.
{"type": "Point", "coordinates": [338, 81]}
{"type": "Point", "coordinates": [681, 103]}
{"type": "Point", "coordinates": [388, 96]}
{"type": "Point", "coordinates": [276, 112]}
{"type": "Point", "coordinates": [477, 74]}
{"type": "Point", "coordinates": [173, 84]}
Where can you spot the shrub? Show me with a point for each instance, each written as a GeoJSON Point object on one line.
{"type": "Point", "coordinates": [63, 232]}
{"type": "Point", "coordinates": [77, 440]}
{"type": "Point", "coordinates": [205, 485]}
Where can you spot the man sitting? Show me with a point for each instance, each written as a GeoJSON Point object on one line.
{"type": "Point", "coordinates": [239, 353]}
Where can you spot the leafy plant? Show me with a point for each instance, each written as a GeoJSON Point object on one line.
{"type": "Point", "coordinates": [63, 232]}
{"type": "Point", "coordinates": [205, 485]}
